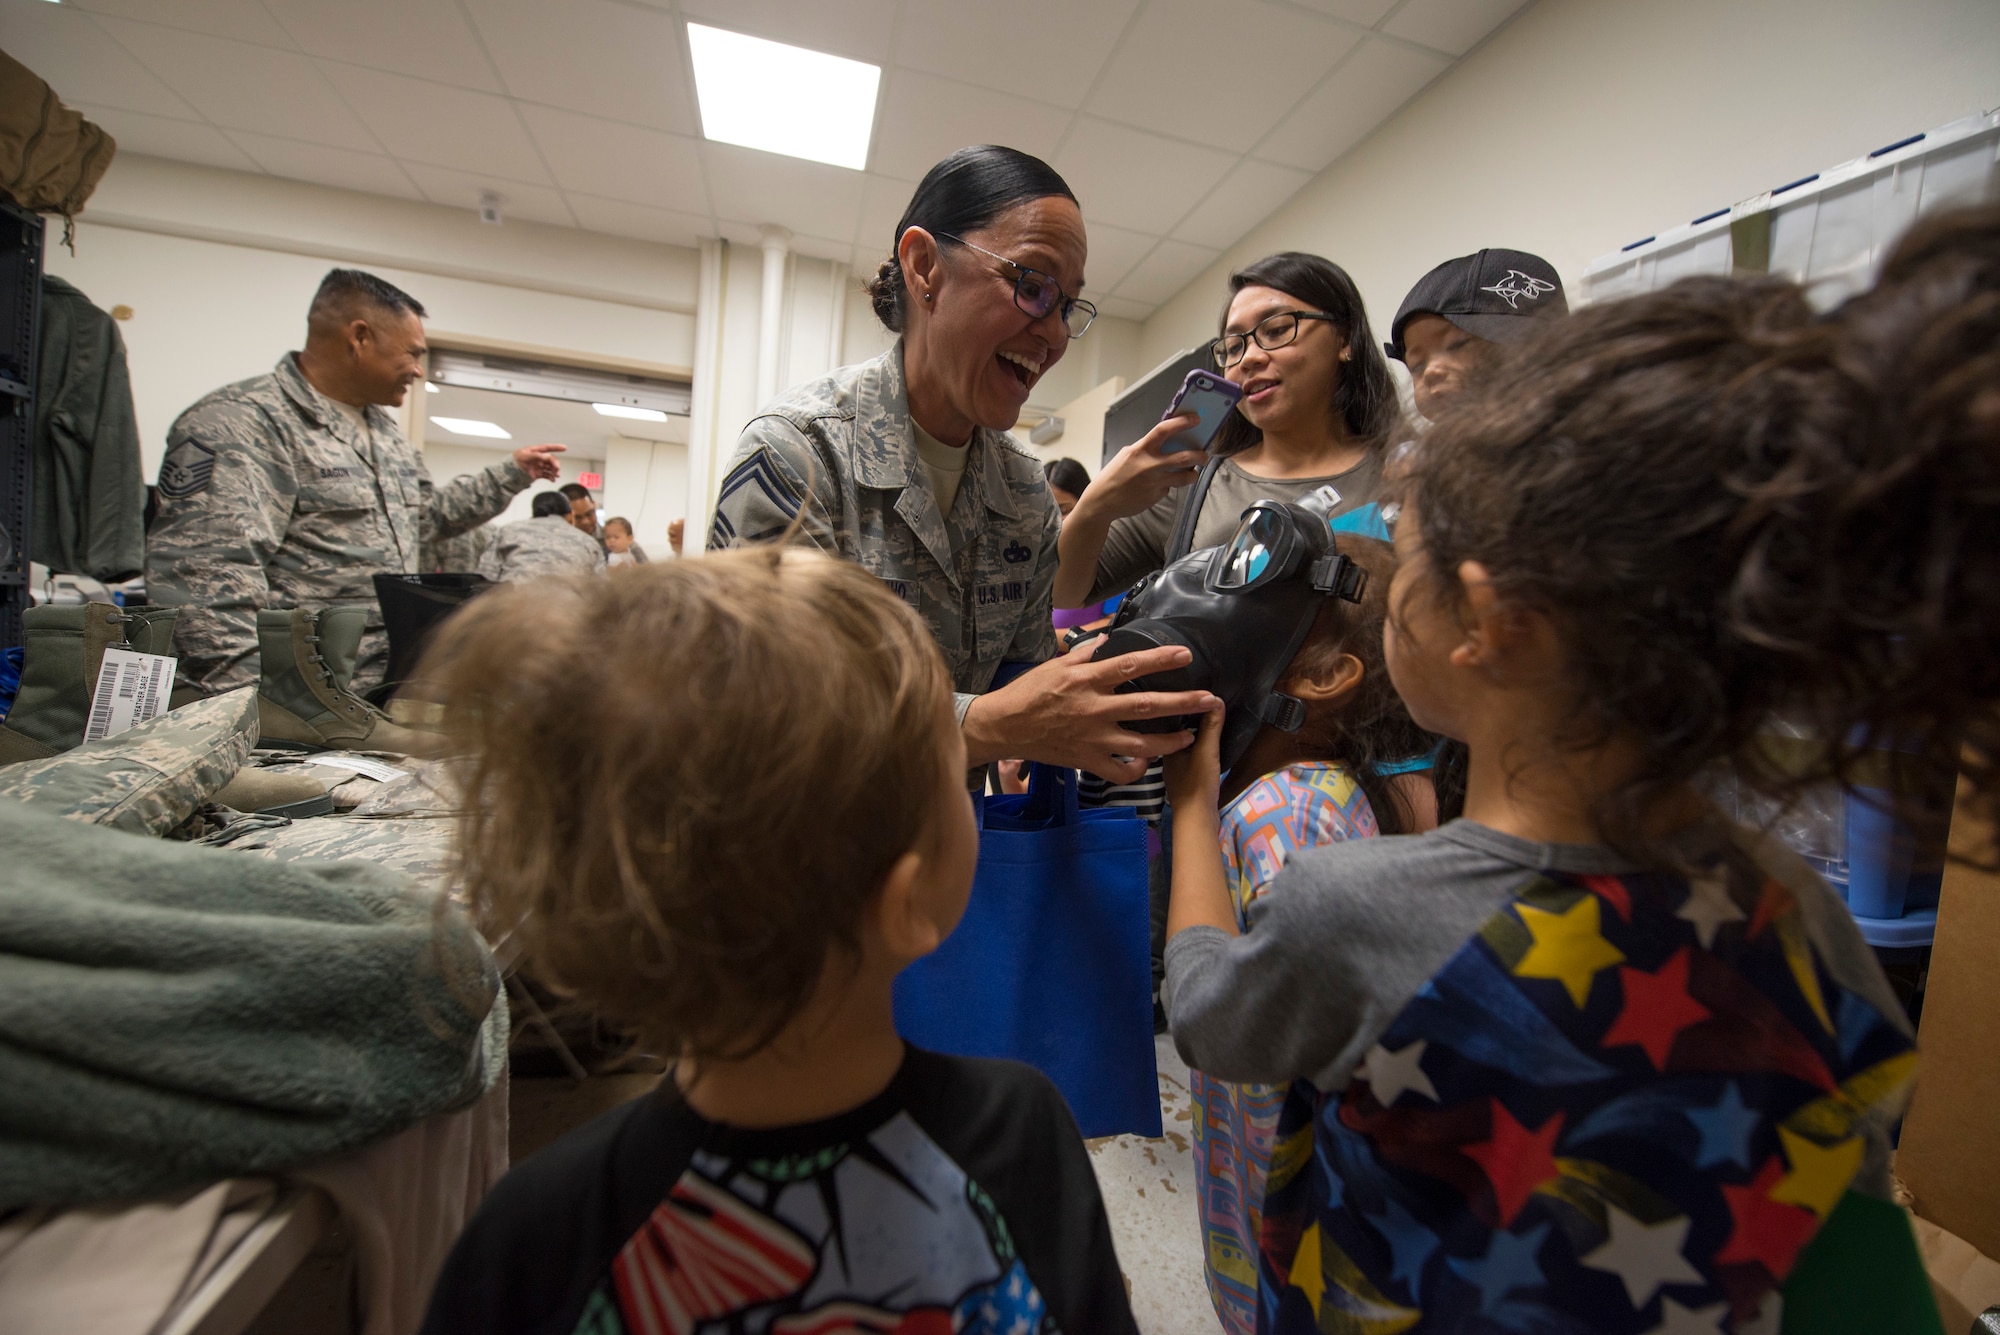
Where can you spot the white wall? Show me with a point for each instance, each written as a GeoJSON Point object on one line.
{"type": "Point", "coordinates": [1586, 124]}
{"type": "Point", "coordinates": [218, 268]}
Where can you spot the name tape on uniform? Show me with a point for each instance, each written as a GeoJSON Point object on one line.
{"type": "Point", "coordinates": [131, 688]}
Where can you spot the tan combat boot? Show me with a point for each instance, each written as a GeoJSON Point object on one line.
{"type": "Point", "coordinates": [65, 655]}
{"type": "Point", "coordinates": [303, 702]}
{"type": "Point", "coordinates": [65, 652]}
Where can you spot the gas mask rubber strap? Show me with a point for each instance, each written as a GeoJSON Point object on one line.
{"type": "Point", "coordinates": [1339, 576]}
{"type": "Point", "coordinates": [1286, 713]}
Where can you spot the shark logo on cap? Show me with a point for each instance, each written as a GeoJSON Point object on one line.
{"type": "Point", "coordinates": [1516, 286]}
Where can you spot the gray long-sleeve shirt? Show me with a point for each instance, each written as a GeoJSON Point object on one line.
{"type": "Point", "coordinates": [1347, 934]}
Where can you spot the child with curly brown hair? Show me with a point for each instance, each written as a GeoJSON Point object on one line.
{"type": "Point", "coordinates": [723, 801]}
{"type": "Point", "coordinates": [1591, 1057]}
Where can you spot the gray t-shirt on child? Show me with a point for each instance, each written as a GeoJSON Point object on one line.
{"type": "Point", "coordinates": [1346, 934]}
{"type": "Point", "coordinates": [1137, 546]}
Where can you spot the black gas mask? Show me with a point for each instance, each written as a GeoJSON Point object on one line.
{"type": "Point", "coordinates": [1243, 609]}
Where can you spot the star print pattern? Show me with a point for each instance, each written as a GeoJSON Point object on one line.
{"type": "Point", "coordinates": [1644, 1256]}
{"type": "Point", "coordinates": [1644, 1148]}
{"type": "Point", "coordinates": [1390, 1073]}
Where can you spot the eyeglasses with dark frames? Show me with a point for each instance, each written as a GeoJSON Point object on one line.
{"type": "Point", "coordinates": [1036, 293]}
{"type": "Point", "coordinates": [1272, 332]}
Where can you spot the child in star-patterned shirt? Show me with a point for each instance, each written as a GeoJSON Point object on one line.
{"type": "Point", "coordinates": [1590, 1058]}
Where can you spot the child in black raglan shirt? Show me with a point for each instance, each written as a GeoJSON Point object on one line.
{"type": "Point", "coordinates": [724, 801]}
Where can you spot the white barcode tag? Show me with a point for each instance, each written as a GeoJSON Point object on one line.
{"type": "Point", "coordinates": [374, 769]}
{"type": "Point", "coordinates": [131, 688]}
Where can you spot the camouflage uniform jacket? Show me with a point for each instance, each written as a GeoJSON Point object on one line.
{"type": "Point", "coordinates": [460, 552]}
{"type": "Point", "coordinates": [840, 449]}
{"type": "Point", "coordinates": [270, 497]}
{"type": "Point", "coordinates": [537, 547]}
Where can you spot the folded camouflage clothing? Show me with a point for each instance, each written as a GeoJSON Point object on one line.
{"type": "Point", "coordinates": [171, 1014]}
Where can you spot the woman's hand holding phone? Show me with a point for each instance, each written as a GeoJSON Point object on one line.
{"type": "Point", "coordinates": [1141, 473]}
{"type": "Point", "coordinates": [1132, 483]}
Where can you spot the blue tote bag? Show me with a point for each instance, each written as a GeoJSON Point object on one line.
{"type": "Point", "coordinates": [1050, 965]}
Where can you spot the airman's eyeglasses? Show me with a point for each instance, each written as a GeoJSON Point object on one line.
{"type": "Point", "coordinates": [1037, 294]}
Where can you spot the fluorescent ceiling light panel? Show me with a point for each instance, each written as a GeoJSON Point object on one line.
{"type": "Point", "coordinates": [636, 414]}
{"type": "Point", "coordinates": [783, 99]}
{"type": "Point", "coordinates": [468, 426]}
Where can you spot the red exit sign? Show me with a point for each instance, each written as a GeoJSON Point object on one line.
{"type": "Point", "coordinates": [591, 480]}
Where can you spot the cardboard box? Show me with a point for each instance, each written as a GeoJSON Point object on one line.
{"type": "Point", "coordinates": [1950, 1152]}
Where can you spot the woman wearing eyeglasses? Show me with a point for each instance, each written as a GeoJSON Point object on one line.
{"type": "Point", "coordinates": [904, 465]}
{"type": "Point", "coordinates": [1318, 409]}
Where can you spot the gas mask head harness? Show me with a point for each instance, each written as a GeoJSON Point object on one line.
{"type": "Point", "coordinates": [1243, 610]}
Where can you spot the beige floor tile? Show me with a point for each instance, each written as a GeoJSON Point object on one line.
{"type": "Point", "coordinates": [1149, 1192]}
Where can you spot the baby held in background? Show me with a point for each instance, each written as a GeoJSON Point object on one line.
{"type": "Point", "coordinates": [1288, 791]}
{"type": "Point", "coordinates": [1593, 1058]}
{"type": "Point", "coordinates": [619, 548]}
{"type": "Point", "coordinates": [723, 802]}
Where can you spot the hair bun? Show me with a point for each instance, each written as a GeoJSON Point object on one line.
{"type": "Point", "coordinates": [885, 292]}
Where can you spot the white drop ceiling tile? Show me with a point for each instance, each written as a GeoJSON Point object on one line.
{"type": "Point", "coordinates": [618, 161]}
{"type": "Point", "coordinates": [461, 190]}
{"type": "Point", "coordinates": [923, 118]}
{"type": "Point", "coordinates": [1359, 96]}
{"type": "Point", "coordinates": [82, 62]}
{"type": "Point", "coordinates": [1217, 74]}
{"type": "Point", "coordinates": [429, 38]}
{"type": "Point", "coordinates": [242, 87]}
{"type": "Point", "coordinates": [244, 20]}
{"type": "Point", "coordinates": [810, 198]}
{"type": "Point", "coordinates": [1049, 50]}
{"type": "Point", "coordinates": [1246, 197]}
{"type": "Point", "coordinates": [420, 121]}
{"type": "Point", "coordinates": [856, 29]}
{"type": "Point", "coordinates": [1122, 308]}
{"type": "Point", "coordinates": [604, 59]}
{"type": "Point", "coordinates": [371, 173]}
{"type": "Point", "coordinates": [159, 137]}
{"type": "Point", "coordinates": [1454, 26]}
{"type": "Point", "coordinates": [1171, 266]}
{"type": "Point", "coordinates": [1366, 13]}
{"type": "Point", "coordinates": [1114, 251]}
{"type": "Point", "coordinates": [883, 200]}
{"type": "Point", "coordinates": [1130, 178]}
{"type": "Point", "coordinates": [617, 217]}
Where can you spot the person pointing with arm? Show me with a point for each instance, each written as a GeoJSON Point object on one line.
{"type": "Point", "coordinates": [295, 488]}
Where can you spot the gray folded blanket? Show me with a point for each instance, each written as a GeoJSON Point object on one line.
{"type": "Point", "coordinates": [171, 1014]}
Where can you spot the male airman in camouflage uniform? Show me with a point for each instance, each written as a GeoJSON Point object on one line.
{"type": "Point", "coordinates": [294, 489]}
{"type": "Point", "coordinates": [548, 544]}
{"type": "Point", "coordinates": [836, 458]}
{"type": "Point", "coordinates": [459, 553]}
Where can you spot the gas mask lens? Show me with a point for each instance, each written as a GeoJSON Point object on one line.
{"type": "Point", "coordinates": [1254, 552]}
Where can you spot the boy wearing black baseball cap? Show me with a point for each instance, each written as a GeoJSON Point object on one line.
{"type": "Point", "coordinates": [1457, 311]}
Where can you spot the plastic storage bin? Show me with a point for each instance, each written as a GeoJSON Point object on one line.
{"type": "Point", "coordinates": [1831, 228]}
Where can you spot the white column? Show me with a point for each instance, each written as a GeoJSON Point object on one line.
{"type": "Point", "coordinates": [771, 318]}
{"type": "Point", "coordinates": [836, 320]}
{"type": "Point", "coordinates": [704, 450]}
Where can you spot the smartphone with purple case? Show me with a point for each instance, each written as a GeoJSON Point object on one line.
{"type": "Point", "coordinates": [1209, 397]}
